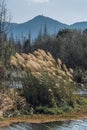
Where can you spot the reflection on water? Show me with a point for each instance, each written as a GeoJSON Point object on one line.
{"type": "Point", "coordinates": [68, 125]}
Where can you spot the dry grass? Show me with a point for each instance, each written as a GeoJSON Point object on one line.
{"type": "Point", "coordinates": [40, 62]}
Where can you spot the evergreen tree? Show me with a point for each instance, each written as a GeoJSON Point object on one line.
{"type": "Point", "coordinates": [27, 44]}
{"type": "Point", "coordinates": [45, 33]}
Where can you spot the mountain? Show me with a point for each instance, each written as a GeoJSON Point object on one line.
{"type": "Point", "coordinates": [37, 24]}
{"type": "Point", "coordinates": [79, 25]}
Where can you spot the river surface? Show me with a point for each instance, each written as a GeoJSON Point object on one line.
{"type": "Point", "coordinates": [67, 125]}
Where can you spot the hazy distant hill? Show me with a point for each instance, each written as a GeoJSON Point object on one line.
{"type": "Point", "coordinates": [35, 25]}
{"type": "Point", "coordinates": [79, 25]}
{"type": "Point", "coordinates": [38, 23]}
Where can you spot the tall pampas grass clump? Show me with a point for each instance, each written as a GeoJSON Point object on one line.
{"type": "Point", "coordinates": [45, 81]}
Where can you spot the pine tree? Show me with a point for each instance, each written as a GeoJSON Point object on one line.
{"type": "Point", "coordinates": [45, 33]}
{"type": "Point", "coordinates": [27, 44]}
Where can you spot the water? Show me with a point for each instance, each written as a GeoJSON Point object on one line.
{"type": "Point", "coordinates": [67, 125]}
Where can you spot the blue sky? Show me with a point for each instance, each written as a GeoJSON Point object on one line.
{"type": "Point", "coordinates": [66, 11]}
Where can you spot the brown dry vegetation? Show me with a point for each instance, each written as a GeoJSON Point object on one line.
{"type": "Point", "coordinates": [41, 62]}
{"type": "Point", "coordinates": [46, 82]}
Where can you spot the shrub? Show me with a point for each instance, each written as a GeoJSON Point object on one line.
{"type": "Point", "coordinates": [46, 82]}
{"type": "Point", "coordinates": [46, 110]}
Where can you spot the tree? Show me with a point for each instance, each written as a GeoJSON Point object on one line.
{"type": "Point", "coordinates": [11, 38]}
{"type": "Point", "coordinates": [27, 44]}
{"type": "Point", "coordinates": [4, 25]}
{"type": "Point", "coordinates": [4, 18]}
{"type": "Point", "coordinates": [45, 31]}
{"type": "Point", "coordinates": [39, 37]}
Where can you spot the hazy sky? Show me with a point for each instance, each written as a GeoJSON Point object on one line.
{"type": "Point", "coordinates": [66, 11]}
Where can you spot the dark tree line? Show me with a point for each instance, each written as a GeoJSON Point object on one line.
{"type": "Point", "coordinates": [69, 45]}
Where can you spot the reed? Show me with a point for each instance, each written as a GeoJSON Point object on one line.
{"type": "Point", "coordinates": [47, 72]}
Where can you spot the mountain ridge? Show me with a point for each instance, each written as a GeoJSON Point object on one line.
{"type": "Point", "coordinates": [37, 23]}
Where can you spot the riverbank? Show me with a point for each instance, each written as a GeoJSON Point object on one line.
{"type": "Point", "coordinates": [41, 118]}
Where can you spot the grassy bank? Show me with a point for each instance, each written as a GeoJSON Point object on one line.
{"type": "Point", "coordinates": [78, 113]}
